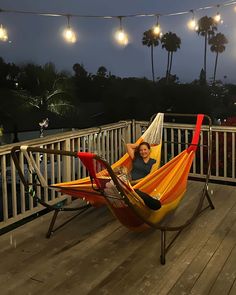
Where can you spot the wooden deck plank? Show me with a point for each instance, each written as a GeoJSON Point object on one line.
{"type": "Point", "coordinates": [233, 289]}
{"type": "Point", "coordinates": [96, 255]}
{"type": "Point", "coordinates": [145, 272]}
{"type": "Point", "coordinates": [205, 227]}
{"type": "Point", "coordinates": [227, 275]}
{"type": "Point", "coordinates": [28, 245]}
{"type": "Point", "coordinates": [79, 260]}
{"type": "Point", "coordinates": [145, 259]}
{"type": "Point", "coordinates": [215, 265]}
{"type": "Point", "coordinates": [201, 272]}
{"type": "Point", "coordinates": [97, 265]}
{"type": "Point", "coordinates": [37, 250]}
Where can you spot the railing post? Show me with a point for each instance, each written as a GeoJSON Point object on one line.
{"type": "Point", "coordinates": [134, 131]}
{"type": "Point", "coordinates": [66, 162]}
{"type": "Point", "coordinates": [127, 135]}
{"type": "Point", "coordinates": [4, 189]}
{"type": "Point", "coordinates": [66, 166]}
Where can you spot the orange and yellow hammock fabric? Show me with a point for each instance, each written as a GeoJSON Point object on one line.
{"type": "Point", "coordinates": [83, 189]}
{"type": "Point", "coordinates": [168, 184]}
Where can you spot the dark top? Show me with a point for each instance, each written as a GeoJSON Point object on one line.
{"type": "Point", "coordinates": [140, 168]}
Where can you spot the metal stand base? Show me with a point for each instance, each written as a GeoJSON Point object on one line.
{"type": "Point", "coordinates": [164, 248]}
{"type": "Point", "coordinates": [51, 228]}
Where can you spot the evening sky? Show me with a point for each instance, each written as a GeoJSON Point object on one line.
{"type": "Point", "coordinates": [38, 39]}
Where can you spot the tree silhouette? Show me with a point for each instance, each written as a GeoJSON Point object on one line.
{"type": "Point", "coordinates": [8, 74]}
{"type": "Point", "coordinates": [202, 77]}
{"type": "Point", "coordinates": [80, 71]}
{"type": "Point", "coordinates": [217, 44]}
{"type": "Point", "coordinates": [151, 40]}
{"type": "Point", "coordinates": [171, 42]}
{"type": "Point", "coordinates": [40, 89]}
{"type": "Point", "coordinates": [206, 28]}
{"type": "Point", "coordinates": [102, 72]}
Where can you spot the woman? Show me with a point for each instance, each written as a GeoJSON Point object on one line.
{"type": "Point", "coordinates": [142, 163]}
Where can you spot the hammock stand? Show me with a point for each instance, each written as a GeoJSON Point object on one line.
{"type": "Point", "coordinates": [123, 193]}
{"type": "Point", "coordinates": [163, 229]}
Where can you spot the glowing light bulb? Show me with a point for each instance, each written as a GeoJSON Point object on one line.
{"type": "Point", "coordinates": [192, 24]}
{"type": "Point", "coordinates": [3, 34]}
{"type": "Point", "coordinates": [217, 17]}
{"type": "Point", "coordinates": [121, 37]}
{"type": "Point", "coordinates": [69, 35]}
{"type": "Point", "coordinates": [157, 30]}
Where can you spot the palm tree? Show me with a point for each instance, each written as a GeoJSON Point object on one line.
{"type": "Point", "coordinates": [42, 88]}
{"type": "Point", "coordinates": [206, 28]}
{"type": "Point", "coordinates": [171, 42]}
{"type": "Point", "coordinates": [150, 40]}
{"type": "Point", "coordinates": [217, 43]}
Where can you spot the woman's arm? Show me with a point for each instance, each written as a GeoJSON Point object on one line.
{"type": "Point", "coordinates": [131, 148]}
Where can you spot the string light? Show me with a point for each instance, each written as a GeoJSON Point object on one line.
{"type": "Point", "coordinates": [68, 33]}
{"type": "Point", "coordinates": [192, 24]}
{"type": "Point", "coordinates": [217, 17]}
{"type": "Point", "coordinates": [121, 36]}
{"type": "Point", "coordinates": [3, 34]}
{"type": "Point", "coordinates": [157, 29]}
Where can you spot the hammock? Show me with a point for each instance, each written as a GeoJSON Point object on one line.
{"type": "Point", "coordinates": [167, 184]}
{"type": "Point", "coordinates": [83, 189]}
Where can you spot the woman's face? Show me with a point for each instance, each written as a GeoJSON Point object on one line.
{"type": "Point", "coordinates": [144, 151]}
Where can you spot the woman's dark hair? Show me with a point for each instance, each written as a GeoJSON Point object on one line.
{"type": "Point", "coordinates": [138, 148]}
{"type": "Point", "coordinates": [144, 143]}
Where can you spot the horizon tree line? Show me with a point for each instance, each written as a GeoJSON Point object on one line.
{"type": "Point", "coordinates": [31, 92]}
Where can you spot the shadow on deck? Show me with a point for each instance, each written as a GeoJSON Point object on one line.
{"type": "Point", "coordinates": [94, 254]}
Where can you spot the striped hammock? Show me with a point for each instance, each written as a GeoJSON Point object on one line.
{"type": "Point", "coordinates": [167, 184]}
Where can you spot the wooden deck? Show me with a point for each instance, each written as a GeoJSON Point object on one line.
{"type": "Point", "coordinates": [94, 254]}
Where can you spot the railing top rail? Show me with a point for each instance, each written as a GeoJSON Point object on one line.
{"type": "Point", "coordinates": [84, 132]}
{"type": "Point", "coordinates": [190, 126]}
{"type": "Point", "coordinates": [64, 135]}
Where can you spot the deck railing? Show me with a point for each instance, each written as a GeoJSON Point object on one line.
{"type": "Point", "coordinates": [15, 204]}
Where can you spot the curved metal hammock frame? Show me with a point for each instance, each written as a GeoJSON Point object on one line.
{"type": "Point", "coordinates": [128, 195]}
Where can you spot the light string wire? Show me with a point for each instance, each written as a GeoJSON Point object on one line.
{"type": "Point", "coordinates": [51, 14]}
